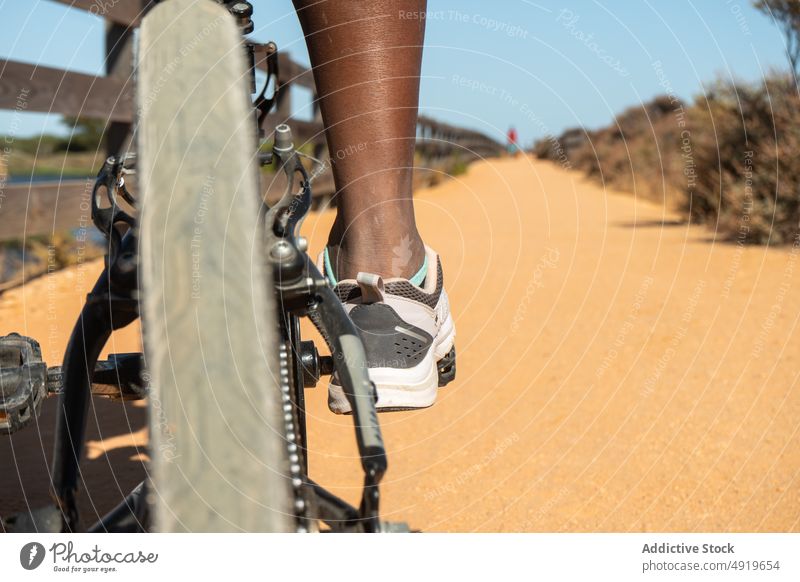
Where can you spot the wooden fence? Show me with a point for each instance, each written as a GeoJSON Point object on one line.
{"type": "Point", "coordinates": [42, 208]}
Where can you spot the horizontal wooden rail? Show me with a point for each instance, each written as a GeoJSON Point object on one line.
{"type": "Point", "coordinates": [126, 12]}
{"type": "Point", "coordinates": [45, 208]}
{"type": "Point", "coordinates": [25, 87]}
{"type": "Point", "coordinates": [292, 73]}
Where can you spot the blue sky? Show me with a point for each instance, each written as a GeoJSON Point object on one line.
{"type": "Point", "coordinates": [542, 66]}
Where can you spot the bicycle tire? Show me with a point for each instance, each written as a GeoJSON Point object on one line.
{"type": "Point", "coordinates": [219, 458]}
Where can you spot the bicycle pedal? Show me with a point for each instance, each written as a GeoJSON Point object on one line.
{"type": "Point", "coordinates": [23, 377]}
{"type": "Point", "coordinates": [447, 368]}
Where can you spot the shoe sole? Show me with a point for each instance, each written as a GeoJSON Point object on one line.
{"type": "Point", "coordinates": [412, 388]}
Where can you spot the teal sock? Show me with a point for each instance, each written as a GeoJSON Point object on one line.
{"type": "Point", "coordinates": [418, 279]}
{"type": "Point", "coordinates": [328, 268]}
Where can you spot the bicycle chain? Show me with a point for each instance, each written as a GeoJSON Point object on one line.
{"type": "Point", "coordinates": [295, 468]}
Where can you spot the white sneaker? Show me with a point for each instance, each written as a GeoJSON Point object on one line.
{"type": "Point", "coordinates": [408, 336]}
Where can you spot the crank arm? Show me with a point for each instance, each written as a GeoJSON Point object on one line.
{"type": "Point", "coordinates": [350, 363]}
{"type": "Point", "coordinates": [118, 378]}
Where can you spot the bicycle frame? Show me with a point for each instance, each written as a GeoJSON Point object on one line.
{"type": "Point", "coordinates": [301, 291]}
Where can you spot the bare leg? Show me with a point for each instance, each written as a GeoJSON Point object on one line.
{"type": "Point", "coordinates": [366, 57]}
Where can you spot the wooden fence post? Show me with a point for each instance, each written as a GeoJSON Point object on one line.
{"type": "Point", "coordinates": [119, 65]}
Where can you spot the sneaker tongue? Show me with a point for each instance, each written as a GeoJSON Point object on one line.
{"type": "Point", "coordinates": [372, 288]}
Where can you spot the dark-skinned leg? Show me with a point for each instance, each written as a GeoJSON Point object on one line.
{"type": "Point", "coordinates": [366, 57]}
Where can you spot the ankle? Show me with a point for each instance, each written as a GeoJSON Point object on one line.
{"type": "Point", "coordinates": [402, 258]}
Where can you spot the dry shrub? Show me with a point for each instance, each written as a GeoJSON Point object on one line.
{"type": "Point", "coordinates": [747, 139]}
{"type": "Point", "coordinates": [729, 159]}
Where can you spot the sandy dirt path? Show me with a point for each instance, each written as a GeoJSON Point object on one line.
{"type": "Point", "coordinates": [617, 371]}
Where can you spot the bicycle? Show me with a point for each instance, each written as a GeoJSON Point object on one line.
{"type": "Point", "coordinates": [221, 281]}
